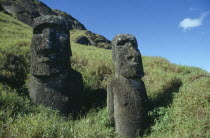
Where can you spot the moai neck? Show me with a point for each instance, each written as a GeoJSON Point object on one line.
{"type": "Point", "coordinates": [50, 62]}
{"type": "Point", "coordinates": [126, 93]}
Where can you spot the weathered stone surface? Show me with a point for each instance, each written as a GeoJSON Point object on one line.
{"type": "Point", "coordinates": [98, 40]}
{"type": "Point", "coordinates": [126, 94]}
{"type": "Point", "coordinates": [64, 92]}
{"type": "Point", "coordinates": [50, 49]}
{"type": "Point", "coordinates": [127, 57]}
{"type": "Point", "coordinates": [82, 40]}
{"type": "Point", "coordinates": [95, 39]}
{"type": "Point", "coordinates": [53, 83]}
{"type": "Point", "coordinates": [2, 10]}
{"type": "Point", "coordinates": [76, 90]}
{"type": "Point", "coordinates": [73, 23]}
{"type": "Point", "coordinates": [50, 91]}
{"type": "Point", "coordinates": [27, 10]}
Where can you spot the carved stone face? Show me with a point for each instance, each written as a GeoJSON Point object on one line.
{"type": "Point", "coordinates": [50, 48]}
{"type": "Point", "coordinates": [126, 56]}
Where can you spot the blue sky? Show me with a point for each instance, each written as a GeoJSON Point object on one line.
{"type": "Point", "coordinates": [178, 30]}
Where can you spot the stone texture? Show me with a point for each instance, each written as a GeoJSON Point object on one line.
{"type": "Point", "coordinates": [27, 10]}
{"type": "Point", "coordinates": [98, 40]}
{"type": "Point", "coordinates": [73, 23]}
{"type": "Point", "coordinates": [2, 10]}
{"type": "Point", "coordinates": [53, 83]}
{"type": "Point", "coordinates": [126, 56]}
{"type": "Point", "coordinates": [126, 94]}
{"type": "Point", "coordinates": [50, 49]}
{"type": "Point", "coordinates": [82, 40]}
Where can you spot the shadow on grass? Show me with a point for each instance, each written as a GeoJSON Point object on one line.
{"type": "Point", "coordinates": [164, 99]}
{"type": "Point", "coordinates": [96, 98]}
{"type": "Point", "coordinates": [93, 99]}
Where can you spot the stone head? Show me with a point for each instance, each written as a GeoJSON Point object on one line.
{"type": "Point", "coordinates": [50, 48]}
{"type": "Point", "coordinates": [126, 56]}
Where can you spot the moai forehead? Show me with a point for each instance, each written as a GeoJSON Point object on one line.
{"type": "Point", "coordinates": [50, 48]}
{"type": "Point", "coordinates": [50, 20]}
{"type": "Point", "coordinates": [126, 56]}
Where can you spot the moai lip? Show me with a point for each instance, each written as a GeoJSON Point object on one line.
{"type": "Point", "coordinates": [126, 56]}
{"type": "Point", "coordinates": [52, 82]}
{"type": "Point", "coordinates": [126, 94]}
{"type": "Point", "coordinates": [50, 49]}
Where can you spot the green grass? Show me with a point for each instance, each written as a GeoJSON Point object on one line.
{"type": "Point", "coordinates": [14, 50]}
{"type": "Point", "coordinates": [178, 95]}
{"type": "Point", "coordinates": [97, 39]}
{"type": "Point", "coordinates": [76, 33]}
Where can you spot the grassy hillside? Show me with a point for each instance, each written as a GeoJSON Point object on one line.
{"type": "Point", "coordinates": [96, 39]}
{"type": "Point", "coordinates": [179, 95]}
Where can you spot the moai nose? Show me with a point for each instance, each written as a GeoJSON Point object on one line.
{"type": "Point", "coordinates": [136, 57]}
{"type": "Point", "coordinates": [133, 56]}
{"type": "Point", "coordinates": [50, 37]}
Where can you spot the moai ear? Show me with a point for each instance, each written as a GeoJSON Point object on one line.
{"type": "Point", "coordinates": [113, 53]}
{"type": "Point", "coordinates": [125, 47]}
{"type": "Point", "coordinates": [114, 44]}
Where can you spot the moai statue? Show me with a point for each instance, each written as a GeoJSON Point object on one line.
{"type": "Point", "coordinates": [126, 93]}
{"type": "Point", "coordinates": [52, 82]}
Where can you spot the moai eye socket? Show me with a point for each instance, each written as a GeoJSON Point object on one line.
{"type": "Point", "coordinates": [59, 29]}
{"type": "Point", "coordinates": [121, 42]}
{"type": "Point", "coordinates": [38, 30]}
{"type": "Point", "coordinates": [63, 36]}
{"type": "Point", "coordinates": [129, 58]}
{"type": "Point", "coordinates": [125, 104]}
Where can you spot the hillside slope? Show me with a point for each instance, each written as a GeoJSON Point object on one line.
{"type": "Point", "coordinates": [27, 10]}
{"type": "Point", "coordinates": [179, 95]}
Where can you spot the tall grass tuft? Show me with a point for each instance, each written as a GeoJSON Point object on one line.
{"type": "Point", "coordinates": [178, 95]}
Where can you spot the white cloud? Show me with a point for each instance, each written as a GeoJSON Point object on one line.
{"type": "Point", "coordinates": [189, 23]}
{"type": "Point", "coordinates": [192, 9]}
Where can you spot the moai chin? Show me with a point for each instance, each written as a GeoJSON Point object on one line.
{"type": "Point", "coordinates": [52, 79]}
{"type": "Point", "coordinates": [126, 94]}
{"type": "Point", "coordinates": [50, 49]}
